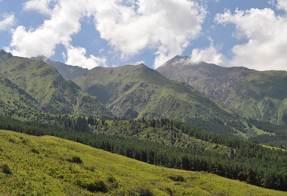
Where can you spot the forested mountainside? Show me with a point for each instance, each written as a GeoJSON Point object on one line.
{"type": "Point", "coordinates": [50, 165]}
{"type": "Point", "coordinates": [171, 144]}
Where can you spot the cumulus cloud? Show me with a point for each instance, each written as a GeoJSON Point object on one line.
{"type": "Point", "coordinates": [282, 4]}
{"type": "Point", "coordinates": [64, 22]}
{"type": "Point", "coordinates": [165, 25]}
{"type": "Point", "coordinates": [79, 57]}
{"type": "Point", "coordinates": [41, 6]}
{"type": "Point", "coordinates": [208, 55]}
{"type": "Point", "coordinates": [7, 22]}
{"type": "Point", "coordinates": [263, 38]}
{"type": "Point", "coordinates": [128, 26]}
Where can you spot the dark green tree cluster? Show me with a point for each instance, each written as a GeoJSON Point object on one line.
{"type": "Point", "coordinates": [246, 161]}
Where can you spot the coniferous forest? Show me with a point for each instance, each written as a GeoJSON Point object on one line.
{"type": "Point", "coordinates": [161, 142]}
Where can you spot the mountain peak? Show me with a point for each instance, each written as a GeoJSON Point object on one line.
{"type": "Point", "coordinates": [141, 65]}
{"type": "Point", "coordinates": [182, 60]}
{"type": "Point", "coordinates": [41, 58]}
{"type": "Point", "coordinates": [4, 53]}
{"type": "Point", "coordinates": [185, 61]}
{"type": "Point", "coordinates": [130, 67]}
{"type": "Point", "coordinates": [178, 59]}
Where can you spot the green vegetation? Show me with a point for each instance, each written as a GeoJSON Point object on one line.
{"type": "Point", "coordinates": [5, 169]}
{"type": "Point", "coordinates": [31, 83]}
{"type": "Point", "coordinates": [35, 90]}
{"type": "Point", "coordinates": [135, 92]}
{"type": "Point", "coordinates": [15, 102]}
{"type": "Point", "coordinates": [136, 112]}
{"type": "Point", "coordinates": [172, 144]}
{"type": "Point", "coordinates": [49, 172]}
{"type": "Point", "coordinates": [76, 160]}
{"type": "Point", "coordinates": [252, 94]}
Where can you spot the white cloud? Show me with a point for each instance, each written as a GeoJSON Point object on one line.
{"type": "Point", "coordinates": [64, 22]}
{"type": "Point", "coordinates": [78, 56]}
{"type": "Point", "coordinates": [208, 55]}
{"type": "Point", "coordinates": [164, 25]}
{"type": "Point", "coordinates": [282, 4]}
{"type": "Point", "coordinates": [41, 6]}
{"type": "Point", "coordinates": [7, 22]}
{"type": "Point", "coordinates": [264, 42]}
{"type": "Point", "coordinates": [167, 26]}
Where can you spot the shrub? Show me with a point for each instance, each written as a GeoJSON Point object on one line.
{"type": "Point", "coordinates": [11, 140]}
{"type": "Point", "coordinates": [91, 168]}
{"type": "Point", "coordinates": [112, 183]}
{"type": "Point", "coordinates": [6, 169]}
{"type": "Point", "coordinates": [98, 186]}
{"type": "Point", "coordinates": [144, 192]}
{"type": "Point", "coordinates": [177, 178]}
{"type": "Point", "coordinates": [35, 151]}
{"type": "Point", "coordinates": [75, 159]}
{"type": "Point", "coordinates": [169, 191]}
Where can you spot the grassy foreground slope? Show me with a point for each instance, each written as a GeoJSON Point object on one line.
{"type": "Point", "coordinates": [52, 166]}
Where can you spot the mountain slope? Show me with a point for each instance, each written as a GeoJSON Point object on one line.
{"type": "Point", "coordinates": [67, 71]}
{"type": "Point", "coordinates": [51, 91]}
{"type": "Point", "coordinates": [252, 94]}
{"type": "Point", "coordinates": [128, 92]}
{"type": "Point", "coordinates": [53, 166]}
{"type": "Point", "coordinates": [139, 92]}
{"type": "Point", "coordinates": [15, 102]}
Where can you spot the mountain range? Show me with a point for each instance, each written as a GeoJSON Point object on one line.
{"type": "Point", "coordinates": [43, 89]}
{"type": "Point", "coordinates": [203, 96]}
{"type": "Point", "coordinates": [257, 95]}
{"type": "Point", "coordinates": [183, 115]}
{"type": "Point", "coordinates": [136, 91]}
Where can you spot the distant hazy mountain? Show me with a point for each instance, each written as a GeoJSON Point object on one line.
{"type": "Point", "coordinates": [40, 85]}
{"type": "Point", "coordinates": [249, 93]}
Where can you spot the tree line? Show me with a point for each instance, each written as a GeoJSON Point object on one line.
{"type": "Point", "coordinates": [247, 161]}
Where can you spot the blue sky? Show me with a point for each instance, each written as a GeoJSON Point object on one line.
{"type": "Point", "coordinates": [102, 48]}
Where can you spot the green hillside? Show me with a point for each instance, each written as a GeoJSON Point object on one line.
{"type": "Point", "coordinates": [170, 144]}
{"type": "Point", "coordinates": [128, 92]}
{"type": "Point", "coordinates": [52, 166]}
{"type": "Point", "coordinates": [50, 91]}
{"type": "Point", "coordinates": [252, 94]}
{"type": "Point", "coordinates": [134, 92]}
{"type": "Point", "coordinates": [15, 102]}
{"type": "Point", "coordinates": [67, 71]}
